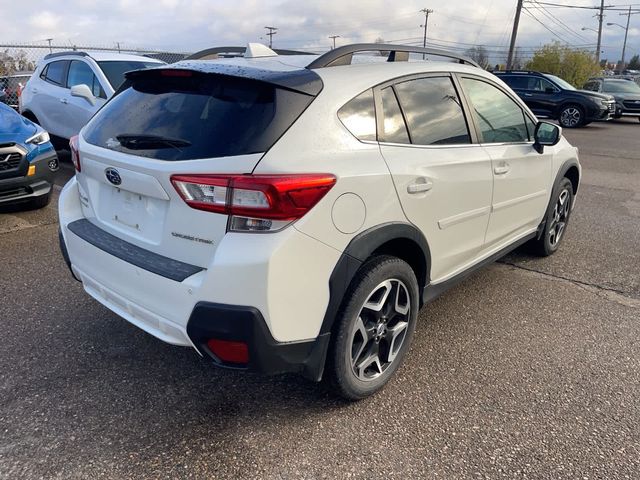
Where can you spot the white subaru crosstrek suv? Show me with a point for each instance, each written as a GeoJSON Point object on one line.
{"type": "Point", "coordinates": [68, 88]}
{"type": "Point", "coordinates": [292, 214]}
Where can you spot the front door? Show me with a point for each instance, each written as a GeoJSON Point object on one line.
{"type": "Point", "coordinates": [521, 175]}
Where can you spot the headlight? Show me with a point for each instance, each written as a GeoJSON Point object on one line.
{"type": "Point", "coordinates": [605, 103]}
{"type": "Point", "coordinates": [38, 139]}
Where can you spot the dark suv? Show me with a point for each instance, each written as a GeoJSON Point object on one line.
{"type": "Point", "coordinates": [550, 96]}
{"type": "Point", "coordinates": [625, 91]}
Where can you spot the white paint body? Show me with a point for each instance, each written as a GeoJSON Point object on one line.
{"type": "Point", "coordinates": [469, 214]}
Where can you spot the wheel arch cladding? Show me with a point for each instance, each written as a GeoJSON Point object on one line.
{"type": "Point", "coordinates": [571, 172]}
{"type": "Point", "coordinates": [401, 240]}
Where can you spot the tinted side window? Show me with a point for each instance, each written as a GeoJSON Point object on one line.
{"type": "Point", "coordinates": [540, 84]}
{"type": "Point", "coordinates": [359, 116]}
{"type": "Point", "coordinates": [531, 127]}
{"type": "Point", "coordinates": [81, 74]}
{"type": "Point", "coordinates": [593, 86]}
{"type": "Point", "coordinates": [433, 111]}
{"type": "Point", "coordinates": [55, 72]}
{"type": "Point", "coordinates": [499, 117]}
{"type": "Point", "coordinates": [394, 129]}
{"type": "Point", "coordinates": [516, 82]}
{"type": "Point", "coordinates": [43, 74]}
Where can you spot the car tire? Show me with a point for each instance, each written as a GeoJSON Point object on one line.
{"type": "Point", "coordinates": [374, 328]}
{"type": "Point", "coordinates": [556, 220]}
{"type": "Point", "coordinates": [571, 116]}
{"type": "Point", "coordinates": [40, 202]}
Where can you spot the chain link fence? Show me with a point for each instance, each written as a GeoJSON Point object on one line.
{"type": "Point", "coordinates": [18, 61]}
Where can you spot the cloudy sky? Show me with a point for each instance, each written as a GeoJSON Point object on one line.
{"type": "Point", "coordinates": [189, 25]}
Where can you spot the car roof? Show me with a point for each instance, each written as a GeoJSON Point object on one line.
{"type": "Point", "coordinates": [101, 56]}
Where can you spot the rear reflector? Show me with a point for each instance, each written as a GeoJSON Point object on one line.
{"type": "Point", "coordinates": [228, 351]}
{"type": "Point", "coordinates": [271, 197]}
{"type": "Point", "coordinates": [75, 153]}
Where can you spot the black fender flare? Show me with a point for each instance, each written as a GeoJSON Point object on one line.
{"type": "Point", "coordinates": [358, 251]}
{"type": "Point", "coordinates": [562, 171]}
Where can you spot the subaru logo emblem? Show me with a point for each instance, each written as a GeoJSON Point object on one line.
{"type": "Point", "coordinates": [113, 176]}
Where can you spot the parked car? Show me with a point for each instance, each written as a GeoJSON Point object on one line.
{"type": "Point", "coordinates": [11, 88]}
{"type": "Point", "coordinates": [625, 91]}
{"type": "Point", "coordinates": [293, 215]}
{"type": "Point", "coordinates": [28, 161]}
{"type": "Point", "coordinates": [552, 97]}
{"type": "Point", "coordinates": [67, 88]}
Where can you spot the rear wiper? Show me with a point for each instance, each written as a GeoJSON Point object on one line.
{"type": "Point", "coordinates": [143, 142]}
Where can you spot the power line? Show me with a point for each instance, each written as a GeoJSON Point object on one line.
{"type": "Point", "coordinates": [526, 10]}
{"type": "Point", "coordinates": [559, 22]}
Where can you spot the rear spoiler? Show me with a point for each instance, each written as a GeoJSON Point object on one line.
{"type": "Point", "coordinates": [302, 80]}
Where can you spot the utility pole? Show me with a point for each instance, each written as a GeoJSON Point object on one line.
{"type": "Point", "coordinates": [600, 16]}
{"type": "Point", "coordinates": [333, 37]}
{"type": "Point", "coordinates": [514, 34]}
{"type": "Point", "coordinates": [272, 31]}
{"type": "Point", "coordinates": [50, 49]}
{"type": "Point", "coordinates": [426, 12]}
{"type": "Point", "coordinates": [118, 44]}
{"type": "Point", "coordinates": [626, 33]}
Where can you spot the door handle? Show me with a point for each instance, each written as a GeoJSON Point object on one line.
{"type": "Point", "coordinates": [34, 90]}
{"type": "Point", "coordinates": [420, 185]}
{"type": "Point", "coordinates": [502, 169]}
{"type": "Point", "coordinates": [528, 94]}
{"type": "Point", "coordinates": [64, 100]}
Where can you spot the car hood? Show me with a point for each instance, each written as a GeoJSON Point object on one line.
{"type": "Point", "coordinates": [15, 128]}
{"type": "Point", "coordinates": [594, 95]}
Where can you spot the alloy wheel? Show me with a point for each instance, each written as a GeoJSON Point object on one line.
{"type": "Point", "coordinates": [571, 117]}
{"type": "Point", "coordinates": [559, 217]}
{"type": "Point", "coordinates": [380, 329]}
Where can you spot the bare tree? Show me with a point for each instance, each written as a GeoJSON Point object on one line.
{"type": "Point", "coordinates": [480, 55]}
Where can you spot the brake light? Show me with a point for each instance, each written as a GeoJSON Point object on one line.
{"type": "Point", "coordinates": [255, 202]}
{"type": "Point", "coordinates": [176, 73]}
{"type": "Point", "coordinates": [75, 153]}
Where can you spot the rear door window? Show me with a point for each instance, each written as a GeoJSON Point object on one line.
{"type": "Point", "coordinates": [56, 72]}
{"type": "Point", "coordinates": [394, 129]}
{"type": "Point", "coordinates": [194, 115]}
{"type": "Point", "coordinates": [517, 82]}
{"type": "Point", "coordinates": [433, 111]}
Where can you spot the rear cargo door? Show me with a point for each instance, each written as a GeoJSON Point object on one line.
{"type": "Point", "coordinates": [176, 122]}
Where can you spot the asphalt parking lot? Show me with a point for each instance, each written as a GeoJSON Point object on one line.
{"type": "Point", "coordinates": [529, 369]}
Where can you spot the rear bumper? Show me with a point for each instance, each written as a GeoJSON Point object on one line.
{"type": "Point", "coordinates": [268, 291]}
{"type": "Point", "coordinates": [246, 325]}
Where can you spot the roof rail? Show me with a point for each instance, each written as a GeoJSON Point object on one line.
{"type": "Point", "coordinates": [524, 72]}
{"type": "Point", "coordinates": [397, 53]}
{"type": "Point", "coordinates": [63, 54]}
{"type": "Point", "coordinates": [217, 52]}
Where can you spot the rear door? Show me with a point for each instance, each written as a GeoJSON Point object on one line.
{"type": "Point", "coordinates": [49, 96]}
{"type": "Point", "coordinates": [442, 177]}
{"type": "Point", "coordinates": [521, 175]}
{"type": "Point", "coordinates": [168, 122]}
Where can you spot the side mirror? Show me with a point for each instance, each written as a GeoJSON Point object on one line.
{"type": "Point", "coordinates": [546, 134]}
{"type": "Point", "coordinates": [549, 90]}
{"type": "Point", "coordinates": [83, 91]}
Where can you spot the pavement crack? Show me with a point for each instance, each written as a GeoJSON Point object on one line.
{"type": "Point", "coordinates": [619, 296]}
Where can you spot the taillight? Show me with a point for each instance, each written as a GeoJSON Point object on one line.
{"type": "Point", "coordinates": [75, 153]}
{"type": "Point", "coordinates": [254, 202]}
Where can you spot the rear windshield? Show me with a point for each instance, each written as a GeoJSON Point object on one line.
{"type": "Point", "coordinates": [195, 116]}
{"type": "Point", "coordinates": [114, 70]}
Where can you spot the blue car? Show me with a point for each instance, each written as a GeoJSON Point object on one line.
{"type": "Point", "coordinates": [28, 161]}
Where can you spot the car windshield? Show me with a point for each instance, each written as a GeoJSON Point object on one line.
{"type": "Point", "coordinates": [621, 86]}
{"type": "Point", "coordinates": [560, 82]}
{"type": "Point", "coordinates": [115, 70]}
